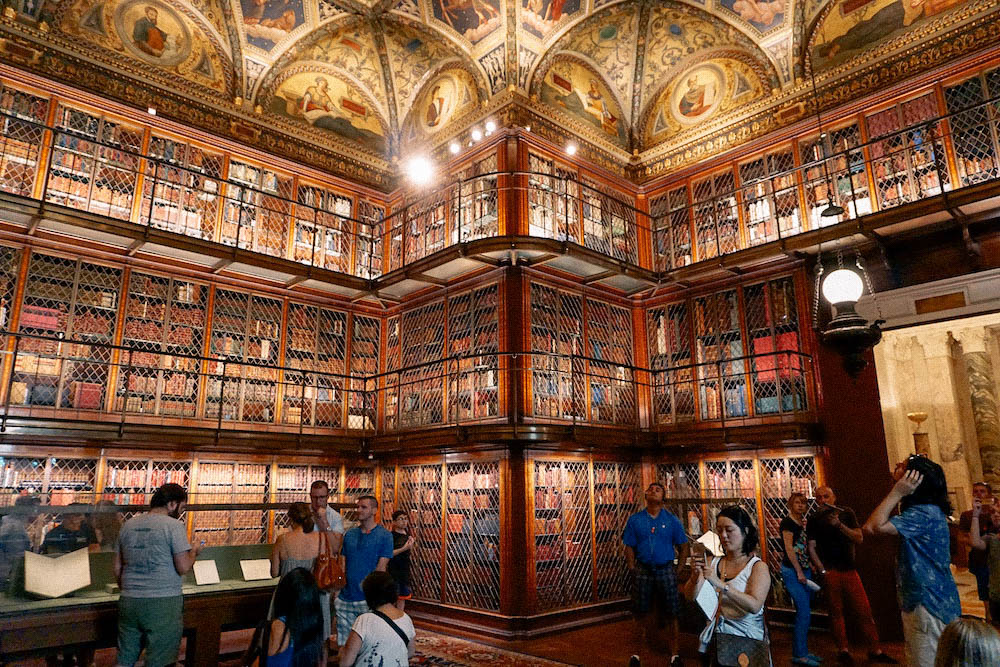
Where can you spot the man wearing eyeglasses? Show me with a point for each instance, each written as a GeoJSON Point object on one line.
{"type": "Point", "coordinates": [326, 518]}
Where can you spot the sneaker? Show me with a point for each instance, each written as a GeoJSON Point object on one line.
{"type": "Point", "coordinates": [882, 658]}
{"type": "Point", "coordinates": [809, 661]}
{"type": "Point", "coordinates": [634, 661]}
{"type": "Point", "coordinates": [845, 658]}
{"type": "Point", "coordinates": [813, 656]}
{"type": "Point", "coordinates": [676, 661]}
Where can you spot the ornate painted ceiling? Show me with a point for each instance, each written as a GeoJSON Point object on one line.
{"type": "Point", "coordinates": [643, 82]}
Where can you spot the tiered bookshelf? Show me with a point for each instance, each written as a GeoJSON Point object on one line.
{"type": "Point", "coordinates": [391, 392]}
{"type": "Point", "coordinates": [671, 219]}
{"type": "Point", "coordinates": [21, 475]}
{"type": "Point", "coordinates": [728, 480]}
{"type": "Point", "coordinates": [564, 574]}
{"type": "Point", "coordinates": [133, 481]}
{"type": "Point", "coordinates": [60, 481]}
{"type": "Point", "coordinates": [717, 335]}
{"type": "Point", "coordinates": [716, 221]}
{"type": "Point", "coordinates": [422, 389]}
{"type": "Point", "coordinates": [778, 384]}
{"type": "Point", "coordinates": [257, 209]}
{"type": "Point", "coordinates": [553, 202]}
{"type": "Point", "coordinates": [848, 177]}
{"type": "Point", "coordinates": [770, 197]}
{"type": "Point", "coordinates": [323, 229]}
{"type": "Point", "coordinates": [182, 187]}
{"type": "Point", "coordinates": [973, 127]}
{"type": "Point", "coordinates": [234, 483]}
{"type": "Point", "coordinates": [315, 340]}
{"type": "Point", "coordinates": [21, 117]}
{"type": "Point", "coordinates": [617, 496]}
{"type": "Point", "coordinates": [245, 331]}
{"type": "Point", "coordinates": [163, 317]}
{"type": "Point", "coordinates": [557, 387]}
{"type": "Point", "coordinates": [779, 478]}
{"type": "Point", "coordinates": [907, 165]}
{"type": "Point", "coordinates": [358, 481]}
{"type": "Point", "coordinates": [669, 338]}
{"type": "Point", "coordinates": [85, 175]}
{"type": "Point", "coordinates": [366, 336]}
{"type": "Point", "coordinates": [368, 256]}
{"type": "Point", "coordinates": [609, 338]}
{"type": "Point", "coordinates": [291, 483]}
{"type": "Point", "coordinates": [683, 493]}
{"type": "Point", "coordinates": [608, 224]}
{"type": "Point", "coordinates": [418, 492]}
{"type": "Point", "coordinates": [77, 299]}
{"type": "Point", "coordinates": [474, 209]}
{"type": "Point", "coordinates": [423, 231]}
{"type": "Point", "coordinates": [472, 533]}
{"type": "Point", "coordinates": [473, 334]}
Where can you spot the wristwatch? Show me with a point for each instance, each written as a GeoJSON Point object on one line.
{"type": "Point", "coordinates": [725, 589]}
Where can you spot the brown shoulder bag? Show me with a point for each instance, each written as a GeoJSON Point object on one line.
{"type": "Point", "coordinates": [327, 569]}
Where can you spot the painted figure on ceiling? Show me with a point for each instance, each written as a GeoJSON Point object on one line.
{"type": "Point", "coordinates": [435, 108]}
{"type": "Point", "coordinates": [696, 99]}
{"type": "Point", "coordinates": [761, 13]}
{"type": "Point", "coordinates": [596, 106]}
{"type": "Point", "coordinates": [268, 22]}
{"type": "Point", "coordinates": [471, 18]}
{"type": "Point", "coordinates": [147, 36]}
{"type": "Point", "coordinates": [317, 98]}
{"type": "Point", "coordinates": [887, 20]}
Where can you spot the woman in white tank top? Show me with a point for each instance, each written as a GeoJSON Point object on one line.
{"type": "Point", "coordinates": [740, 578]}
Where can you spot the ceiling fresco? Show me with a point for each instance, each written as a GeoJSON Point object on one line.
{"type": "Point", "coordinates": [637, 79]}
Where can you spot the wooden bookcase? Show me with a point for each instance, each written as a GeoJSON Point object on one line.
{"type": "Point", "coordinates": [234, 483]}
{"type": "Point", "coordinates": [324, 231]}
{"type": "Point", "coordinates": [475, 208]}
{"type": "Point", "coordinates": [670, 216]}
{"type": "Point", "coordinates": [608, 223]}
{"type": "Point", "coordinates": [371, 227]}
{"type": "Point", "coordinates": [618, 494]}
{"type": "Point", "coordinates": [612, 398]}
{"type": "Point", "coordinates": [974, 134]}
{"type": "Point", "coordinates": [245, 332]}
{"type": "Point", "coordinates": [61, 480]}
{"type": "Point", "coordinates": [563, 533]}
{"type": "Point", "coordinates": [770, 197]}
{"type": "Point", "coordinates": [182, 188]}
{"type": "Point", "coordinates": [366, 338]}
{"type": "Point", "coordinates": [778, 383]}
{"type": "Point", "coordinates": [163, 316]}
{"type": "Point", "coordinates": [418, 491]}
{"type": "Point", "coordinates": [553, 200]}
{"type": "Point", "coordinates": [99, 178]}
{"type": "Point", "coordinates": [80, 300]}
{"type": "Point", "coordinates": [669, 336]}
{"type": "Point", "coordinates": [315, 340]}
{"type": "Point", "coordinates": [422, 388]}
{"type": "Point", "coordinates": [715, 214]}
{"type": "Point", "coordinates": [556, 319]}
{"type": "Point", "coordinates": [392, 387]}
{"type": "Point", "coordinates": [848, 175]}
{"type": "Point", "coordinates": [473, 333]}
{"type": "Point", "coordinates": [257, 209]}
{"type": "Point", "coordinates": [21, 126]}
{"type": "Point", "coordinates": [718, 337]}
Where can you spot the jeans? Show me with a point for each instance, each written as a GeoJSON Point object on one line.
{"type": "Point", "coordinates": [845, 587]}
{"type": "Point", "coordinates": [922, 631]}
{"type": "Point", "coordinates": [801, 596]}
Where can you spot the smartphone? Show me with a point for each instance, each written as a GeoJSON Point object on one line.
{"type": "Point", "coordinates": [700, 553]}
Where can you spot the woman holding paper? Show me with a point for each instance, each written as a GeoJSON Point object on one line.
{"type": "Point", "coordinates": [732, 590]}
{"type": "Point", "coordinates": [797, 576]}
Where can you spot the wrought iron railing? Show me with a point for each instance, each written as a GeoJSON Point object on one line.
{"type": "Point", "coordinates": [53, 378]}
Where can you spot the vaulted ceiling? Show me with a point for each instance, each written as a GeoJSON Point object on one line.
{"type": "Point", "coordinates": [373, 80]}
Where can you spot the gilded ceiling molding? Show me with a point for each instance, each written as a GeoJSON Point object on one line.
{"type": "Point", "coordinates": [377, 28]}
{"type": "Point", "coordinates": [640, 62]}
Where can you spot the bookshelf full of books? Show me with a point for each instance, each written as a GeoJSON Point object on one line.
{"type": "Point", "coordinates": [133, 481]}
{"type": "Point", "coordinates": [165, 325]}
{"type": "Point", "coordinates": [245, 336]}
{"type": "Point", "coordinates": [558, 390]}
{"type": "Point", "coordinates": [358, 481]}
{"type": "Point", "coordinates": [418, 492]}
{"type": "Point", "coordinates": [391, 381]}
{"type": "Point", "coordinates": [682, 484]}
{"type": "Point", "coordinates": [608, 222]}
{"type": "Point", "coordinates": [669, 337]}
{"type": "Point", "coordinates": [715, 215]}
{"type": "Point", "coordinates": [324, 230]}
{"type": "Point", "coordinates": [473, 337]}
{"type": "Point", "coordinates": [563, 539]}
{"type": "Point", "coordinates": [974, 126]}
{"type": "Point", "coordinates": [79, 300]}
{"type": "Point", "coordinates": [907, 154]}
{"type": "Point", "coordinates": [728, 482]}
{"type": "Point", "coordinates": [719, 350]}
{"type": "Point", "coordinates": [770, 197]}
{"type": "Point", "coordinates": [553, 200]}
{"type": "Point", "coordinates": [618, 495]}
{"type": "Point", "coordinates": [95, 163]}
{"type": "Point", "coordinates": [472, 535]}
{"type": "Point", "coordinates": [474, 213]}
{"type": "Point", "coordinates": [315, 345]}
{"type": "Point", "coordinates": [612, 398]}
{"type": "Point", "coordinates": [670, 215]}
{"type": "Point", "coordinates": [58, 480]}
{"type": "Point", "coordinates": [182, 188]}
{"type": "Point", "coordinates": [258, 207]}
{"type": "Point", "coordinates": [366, 337]}
{"type": "Point", "coordinates": [231, 483]}
{"type": "Point", "coordinates": [422, 344]}
{"type": "Point", "coordinates": [21, 119]}
{"type": "Point", "coordinates": [776, 370]}
{"type": "Point", "coordinates": [843, 180]}
{"type": "Point", "coordinates": [781, 476]}
{"type": "Point", "coordinates": [368, 256]}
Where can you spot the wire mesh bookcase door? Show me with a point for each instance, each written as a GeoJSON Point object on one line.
{"type": "Point", "coordinates": [727, 482]}
{"type": "Point", "coordinates": [473, 334]}
{"type": "Point", "coordinates": [422, 388]}
{"type": "Point", "coordinates": [419, 494]}
{"type": "Point", "coordinates": [20, 475]}
{"type": "Point", "coordinates": [719, 340]}
{"type": "Point", "coordinates": [564, 574]}
{"type": "Point", "coordinates": [291, 485]}
{"type": "Point", "coordinates": [22, 141]}
{"type": "Point", "coordinates": [776, 373]}
{"type": "Point", "coordinates": [779, 478]}
{"type": "Point", "coordinates": [609, 336]}
{"type": "Point", "coordinates": [472, 560]}
{"type": "Point", "coordinates": [683, 495]}
{"type": "Point", "coordinates": [616, 498]}
{"type": "Point", "coordinates": [973, 135]}
{"type": "Point", "coordinates": [388, 496]}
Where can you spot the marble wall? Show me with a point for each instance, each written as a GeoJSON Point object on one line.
{"type": "Point", "coordinates": [950, 371]}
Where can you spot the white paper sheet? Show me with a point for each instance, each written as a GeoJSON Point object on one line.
{"type": "Point", "coordinates": [708, 599]}
{"type": "Point", "coordinates": [206, 572]}
{"type": "Point", "coordinates": [712, 543]}
{"type": "Point", "coordinates": [254, 570]}
{"type": "Point", "coordinates": [54, 577]}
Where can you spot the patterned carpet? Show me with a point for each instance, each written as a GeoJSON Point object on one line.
{"type": "Point", "coordinates": [437, 649]}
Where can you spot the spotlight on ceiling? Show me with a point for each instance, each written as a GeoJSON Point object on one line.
{"type": "Point", "coordinates": [476, 134]}
{"type": "Point", "coordinates": [571, 149]}
{"type": "Point", "coordinates": [151, 111]}
{"type": "Point", "coordinates": [454, 148]}
{"type": "Point", "coordinates": [491, 126]}
{"type": "Point", "coordinates": [419, 170]}
{"type": "Point", "coordinates": [527, 128]}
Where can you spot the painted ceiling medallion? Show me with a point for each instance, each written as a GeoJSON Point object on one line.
{"type": "Point", "coordinates": [153, 32]}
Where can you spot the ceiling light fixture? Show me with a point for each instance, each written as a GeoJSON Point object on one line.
{"type": "Point", "coordinates": [419, 170]}
{"type": "Point", "coordinates": [571, 148]}
{"type": "Point", "coordinates": [151, 111]}
{"type": "Point", "coordinates": [490, 126]}
{"type": "Point", "coordinates": [476, 134]}
{"type": "Point", "coordinates": [849, 333]}
{"type": "Point", "coordinates": [454, 148]}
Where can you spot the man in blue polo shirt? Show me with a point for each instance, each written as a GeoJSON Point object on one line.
{"type": "Point", "coordinates": [653, 539]}
{"type": "Point", "coordinates": [367, 547]}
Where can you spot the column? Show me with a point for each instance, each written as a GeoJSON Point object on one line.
{"type": "Point", "coordinates": [983, 396]}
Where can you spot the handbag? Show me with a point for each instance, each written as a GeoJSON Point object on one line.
{"type": "Point", "coordinates": [327, 569]}
{"type": "Point", "coordinates": [736, 651]}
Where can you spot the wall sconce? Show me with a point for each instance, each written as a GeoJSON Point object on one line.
{"type": "Point", "coordinates": [848, 333]}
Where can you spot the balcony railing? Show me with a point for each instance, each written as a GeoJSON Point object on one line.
{"type": "Point", "coordinates": [764, 199]}
{"type": "Point", "coordinates": [52, 378]}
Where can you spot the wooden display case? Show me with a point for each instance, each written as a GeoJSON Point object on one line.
{"type": "Point", "coordinates": [258, 206]}
{"type": "Point", "coordinates": [22, 116]}
{"type": "Point", "coordinates": [182, 188]}
{"type": "Point", "coordinates": [315, 340]}
{"type": "Point", "coordinates": [973, 131]}
{"type": "Point", "coordinates": [324, 230]}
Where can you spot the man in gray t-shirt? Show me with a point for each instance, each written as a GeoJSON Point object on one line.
{"type": "Point", "coordinates": [153, 553]}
